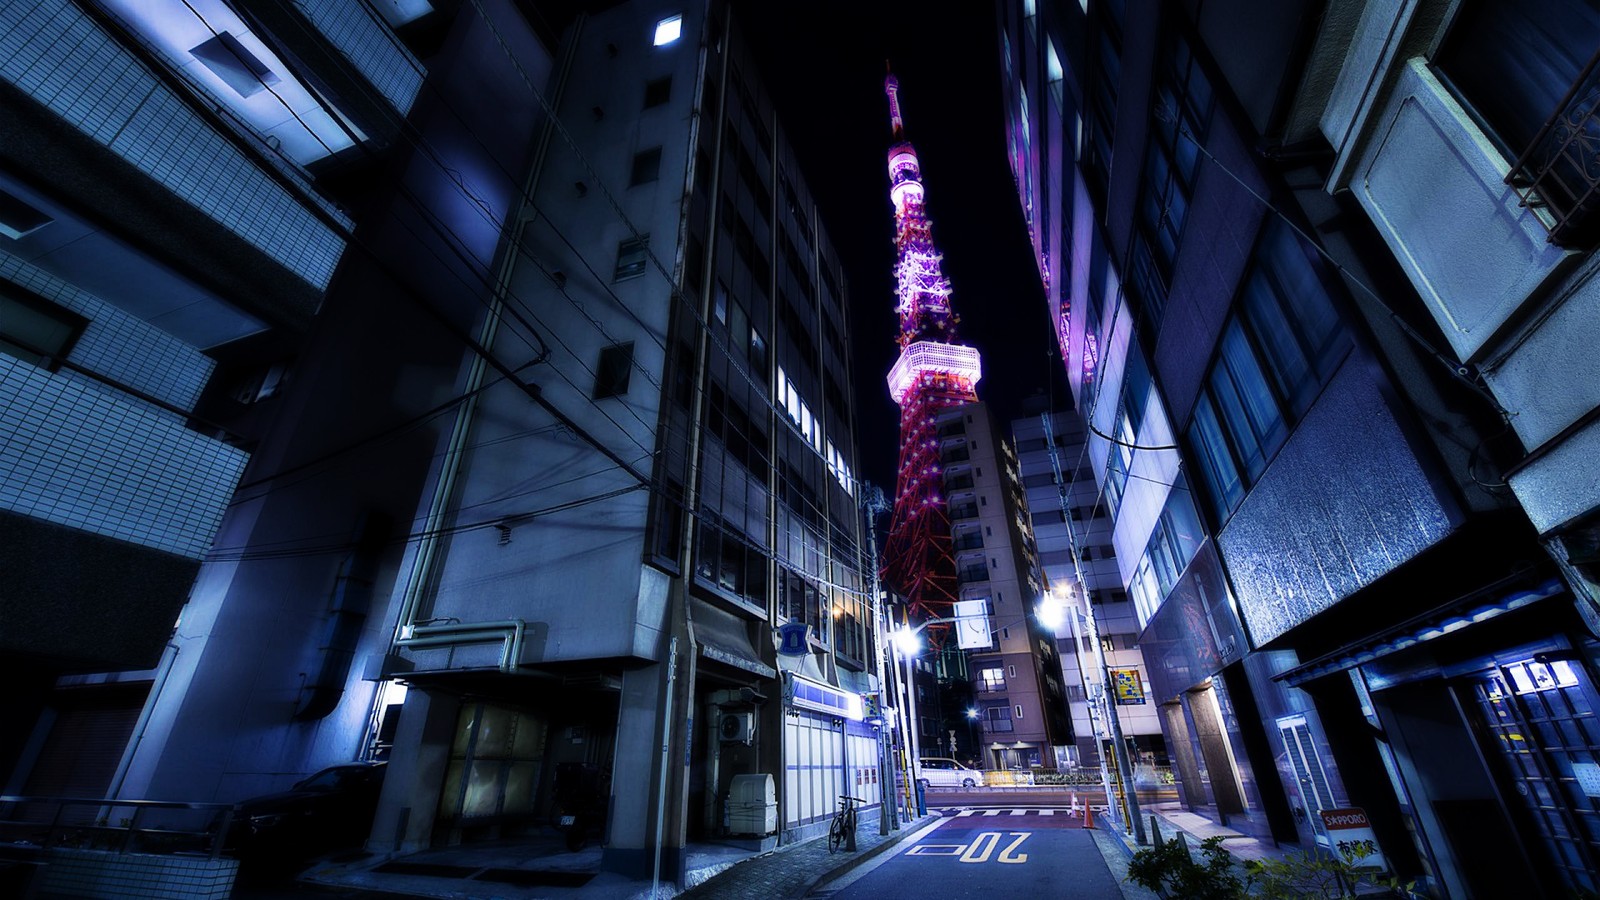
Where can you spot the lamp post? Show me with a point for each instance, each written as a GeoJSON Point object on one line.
{"type": "Point", "coordinates": [1050, 612]}
{"type": "Point", "coordinates": [972, 731]}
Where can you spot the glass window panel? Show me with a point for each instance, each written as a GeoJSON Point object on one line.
{"type": "Point", "coordinates": [1246, 402]}
{"type": "Point", "coordinates": [1291, 370]}
{"type": "Point", "coordinates": [483, 788]}
{"type": "Point", "coordinates": [521, 784]}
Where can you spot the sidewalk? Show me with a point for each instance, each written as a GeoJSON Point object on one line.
{"type": "Point", "coordinates": [1173, 819]}
{"type": "Point", "coordinates": [792, 872]}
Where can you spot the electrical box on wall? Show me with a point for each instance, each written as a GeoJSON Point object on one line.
{"type": "Point", "coordinates": [736, 727]}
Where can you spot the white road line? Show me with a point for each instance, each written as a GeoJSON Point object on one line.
{"type": "Point", "coordinates": [965, 812]}
{"type": "Point", "coordinates": [991, 812]}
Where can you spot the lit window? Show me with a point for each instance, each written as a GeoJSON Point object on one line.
{"type": "Point", "coordinates": [669, 30]}
{"type": "Point", "coordinates": [631, 256]}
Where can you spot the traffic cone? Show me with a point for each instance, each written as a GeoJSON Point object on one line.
{"type": "Point", "coordinates": [1088, 816]}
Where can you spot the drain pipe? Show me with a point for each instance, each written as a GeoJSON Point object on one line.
{"type": "Point", "coordinates": [510, 631]}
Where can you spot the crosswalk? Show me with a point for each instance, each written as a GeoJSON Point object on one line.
{"type": "Point", "coordinates": [961, 811]}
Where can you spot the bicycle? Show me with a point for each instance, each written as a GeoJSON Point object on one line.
{"type": "Point", "coordinates": [843, 826]}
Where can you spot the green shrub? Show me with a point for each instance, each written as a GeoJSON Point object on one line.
{"type": "Point", "coordinates": [1168, 869]}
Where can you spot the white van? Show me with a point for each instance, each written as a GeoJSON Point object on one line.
{"type": "Point", "coordinates": [945, 772]}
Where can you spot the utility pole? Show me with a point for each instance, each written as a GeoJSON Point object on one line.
{"type": "Point", "coordinates": [873, 502]}
{"type": "Point", "coordinates": [1113, 719]}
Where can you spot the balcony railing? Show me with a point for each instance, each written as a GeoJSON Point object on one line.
{"type": "Point", "coordinates": [996, 726]}
{"type": "Point", "coordinates": [958, 482]}
{"type": "Point", "coordinates": [1560, 169]}
{"type": "Point", "coordinates": [956, 454]}
{"type": "Point", "coordinates": [964, 511]}
{"type": "Point", "coordinates": [972, 541]}
{"type": "Point", "coordinates": [122, 826]}
{"type": "Point", "coordinates": [973, 573]}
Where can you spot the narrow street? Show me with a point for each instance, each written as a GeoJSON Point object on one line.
{"type": "Point", "coordinates": [995, 852]}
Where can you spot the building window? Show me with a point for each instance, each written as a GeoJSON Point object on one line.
{"type": "Point", "coordinates": [657, 92]}
{"type": "Point", "coordinates": [997, 719]}
{"type": "Point", "coordinates": [646, 167]}
{"type": "Point", "coordinates": [1511, 62]}
{"type": "Point", "coordinates": [631, 256]}
{"type": "Point", "coordinates": [1018, 709]}
{"type": "Point", "coordinates": [1274, 355]}
{"type": "Point", "coordinates": [668, 30]}
{"type": "Point", "coordinates": [614, 372]}
{"type": "Point", "coordinates": [36, 330]}
{"type": "Point", "coordinates": [991, 680]}
{"type": "Point", "coordinates": [1172, 161]}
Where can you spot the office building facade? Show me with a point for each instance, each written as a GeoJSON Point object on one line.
{"type": "Point", "coordinates": [1270, 237]}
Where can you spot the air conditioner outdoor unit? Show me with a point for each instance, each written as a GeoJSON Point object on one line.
{"type": "Point", "coordinates": [736, 727]}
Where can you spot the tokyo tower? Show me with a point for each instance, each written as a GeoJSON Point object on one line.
{"type": "Point", "coordinates": [935, 371]}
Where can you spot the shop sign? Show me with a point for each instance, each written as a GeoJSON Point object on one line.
{"type": "Point", "coordinates": [792, 639]}
{"type": "Point", "coordinates": [1127, 686]}
{"type": "Point", "coordinates": [1351, 836]}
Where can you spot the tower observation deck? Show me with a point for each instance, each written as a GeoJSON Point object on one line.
{"type": "Point", "coordinates": [935, 371]}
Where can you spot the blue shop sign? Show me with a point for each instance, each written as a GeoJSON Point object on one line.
{"type": "Point", "coordinates": [792, 639]}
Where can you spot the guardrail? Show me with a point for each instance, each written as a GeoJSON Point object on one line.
{"type": "Point", "coordinates": [120, 826]}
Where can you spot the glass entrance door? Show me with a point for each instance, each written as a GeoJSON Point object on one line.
{"type": "Point", "coordinates": [1542, 718]}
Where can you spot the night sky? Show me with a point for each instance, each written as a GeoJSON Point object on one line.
{"type": "Point", "coordinates": [824, 64]}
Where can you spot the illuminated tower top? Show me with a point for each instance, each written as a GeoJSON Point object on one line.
{"type": "Point", "coordinates": [935, 372]}
{"type": "Point", "coordinates": [927, 337]}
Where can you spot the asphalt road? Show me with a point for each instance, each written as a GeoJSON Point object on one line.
{"type": "Point", "coordinates": [991, 854]}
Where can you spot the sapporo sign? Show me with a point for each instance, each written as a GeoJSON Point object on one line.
{"type": "Point", "coordinates": [1350, 833]}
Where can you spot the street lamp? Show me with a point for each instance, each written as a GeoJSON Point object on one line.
{"type": "Point", "coordinates": [1051, 610]}
{"type": "Point", "coordinates": [972, 731]}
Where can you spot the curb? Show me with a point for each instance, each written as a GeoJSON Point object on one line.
{"type": "Point", "coordinates": [909, 832]}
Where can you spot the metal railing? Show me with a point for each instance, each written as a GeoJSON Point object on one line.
{"type": "Point", "coordinates": [1560, 169]}
{"type": "Point", "coordinates": [121, 826]}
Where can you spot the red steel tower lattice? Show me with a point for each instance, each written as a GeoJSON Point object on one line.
{"type": "Point", "coordinates": [935, 371]}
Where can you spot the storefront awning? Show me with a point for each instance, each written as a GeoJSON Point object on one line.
{"type": "Point", "coordinates": [1435, 623]}
{"type": "Point", "coordinates": [725, 638]}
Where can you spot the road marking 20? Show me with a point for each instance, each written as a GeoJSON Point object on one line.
{"type": "Point", "coordinates": [980, 850]}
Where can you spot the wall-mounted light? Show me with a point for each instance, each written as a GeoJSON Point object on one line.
{"type": "Point", "coordinates": [669, 30]}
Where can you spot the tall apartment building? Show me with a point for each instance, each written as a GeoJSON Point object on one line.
{"type": "Point", "coordinates": [697, 492]}
{"type": "Point", "coordinates": [1307, 263]}
{"type": "Point", "coordinates": [540, 351]}
{"type": "Point", "coordinates": [1016, 684]}
{"type": "Point", "coordinates": [195, 281]}
{"type": "Point", "coordinates": [1085, 525]}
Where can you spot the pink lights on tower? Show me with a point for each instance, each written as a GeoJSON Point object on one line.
{"type": "Point", "coordinates": [935, 371]}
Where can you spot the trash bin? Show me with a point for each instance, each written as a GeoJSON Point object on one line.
{"type": "Point", "coordinates": [752, 805]}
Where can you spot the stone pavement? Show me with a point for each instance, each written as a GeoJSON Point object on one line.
{"type": "Point", "coordinates": [791, 872]}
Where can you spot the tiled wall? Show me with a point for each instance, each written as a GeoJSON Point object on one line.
{"type": "Point", "coordinates": [135, 876]}
{"type": "Point", "coordinates": [85, 456]}
{"type": "Point", "coordinates": [121, 347]}
{"type": "Point", "coordinates": [57, 55]}
{"type": "Point", "coordinates": [370, 47]}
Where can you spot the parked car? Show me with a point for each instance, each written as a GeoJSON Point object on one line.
{"type": "Point", "coordinates": [330, 810]}
{"type": "Point", "coordinates": [945, 772]}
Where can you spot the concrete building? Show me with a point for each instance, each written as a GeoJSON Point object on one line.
{"type": "Point", "coordinates": [170, 249]}
{"type": "Point", "coordinates": [1090, 530]}
{"type": "Point", "coordinates": [1016, 685]}
{"type": "Point", "coordinates": [1306, 263]}
{"type": "Point", "coordinates": [538, 348]}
